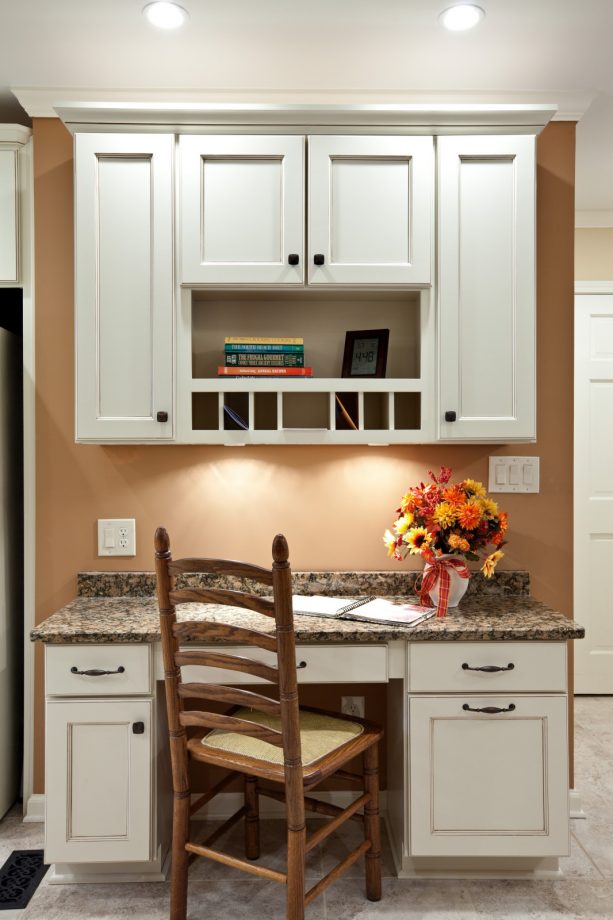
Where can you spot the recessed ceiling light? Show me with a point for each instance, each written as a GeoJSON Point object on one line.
{"type": "Point", "coordinates": [165, 14]}
{"type": "Point", "coordinates": [461, 17]}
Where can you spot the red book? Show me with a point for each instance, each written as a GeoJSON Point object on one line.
{"type": "Point", "coordinates": [264, 371]}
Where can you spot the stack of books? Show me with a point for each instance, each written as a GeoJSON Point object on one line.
{"type": "Point", "coordinates": [254, 356]}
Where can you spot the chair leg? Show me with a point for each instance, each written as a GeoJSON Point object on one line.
{"type": "Point", "coordinates": [180, 856]}
{"type": "Point", "coordinates": [372, 830]}
{"type": "Point", "coordinates": [252, 819]}
{"type": "Point", "coordinates": [296, 851]}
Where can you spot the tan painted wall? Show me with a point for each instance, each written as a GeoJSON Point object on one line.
{"type": "Point", "coordinates": [333, 503]}
{"type": "Point", "coordinates": [594, 254]}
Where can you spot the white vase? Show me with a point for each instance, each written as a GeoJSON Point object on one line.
{"type": "Point", "coordinates": [457, 584]}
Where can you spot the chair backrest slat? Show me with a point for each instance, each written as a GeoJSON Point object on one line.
{"type": "Point", "coordinates": [285, 733]}
{"type": "Point", "coordinates": [220, 567]}
{"type": "Point", "coordinates": [206, 630]}
{"type": "Point", "coordinates": [209, 659]}
{"type": "Point", "coordinates": [223, 596]}
{"type": "Point", "coordinates": [234, 696]}
{"type": "Point", "coordinates": [229, 723]}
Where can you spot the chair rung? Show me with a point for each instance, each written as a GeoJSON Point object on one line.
{"type": "Point", "coordinates": [261, 871]}
{"type": "Point", "coordinates": [338, 870]}
{"type": "Point", "coordinates": [331, 826]}
{"type": "Point", "coordinates": [310, 804]}
{"type": "Point", "coordinates": [211, 793]}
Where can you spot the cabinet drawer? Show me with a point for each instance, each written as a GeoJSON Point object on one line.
{"type": "Point", "coordinates": [327, 664]}
{"type": "Point", "coordinates": [61, 679]}
{"type": "Point", "coordinates": [449, 667]}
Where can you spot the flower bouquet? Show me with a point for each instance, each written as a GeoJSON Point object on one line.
{"type": "Point", "coordinates": [441, 521]}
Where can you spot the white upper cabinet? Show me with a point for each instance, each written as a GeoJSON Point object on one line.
{"type": "Point", "coordinates": [370, 210]}
{"type": "Point", "coordinates": [486, 259]}
{"type": "Point", "coordinates": [242, 209]}
{"type": "Point", "coordinates": [124, 286]}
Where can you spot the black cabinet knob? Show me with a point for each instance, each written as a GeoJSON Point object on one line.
{"type": "Point", "coordinates": [162, 416]}
{"type": "Point", "coordinates": [318, 259]}
{"type": "Point", "coordinates": [293, 258]}
{"type": "Point", "coordinates": [138, 728]}
{"type": "Point", "coordinates": [450, 416]}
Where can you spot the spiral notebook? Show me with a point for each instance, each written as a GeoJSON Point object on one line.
{"type": "Point", "coordinates": [370, 609]}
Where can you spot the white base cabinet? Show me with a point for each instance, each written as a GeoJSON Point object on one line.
{"type": "Point", "coordinates": [98, 773]}
{"type": "Point", "coordinates": [488, 777]}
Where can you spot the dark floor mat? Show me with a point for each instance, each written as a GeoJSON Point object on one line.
{"type": "Point", "coordinates": [20, 876]}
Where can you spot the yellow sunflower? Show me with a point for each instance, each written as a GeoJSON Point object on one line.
{"type": "Point", "coordinates": [417, 539]}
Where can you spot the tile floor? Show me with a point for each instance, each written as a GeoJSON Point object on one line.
{"type": "Point", "coordinates": [218, 893]}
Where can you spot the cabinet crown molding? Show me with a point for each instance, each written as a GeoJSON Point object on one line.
{"type": "Point", "coordinates": [428, 117]}
{"type": "Point", "coordinates": [15, 134]}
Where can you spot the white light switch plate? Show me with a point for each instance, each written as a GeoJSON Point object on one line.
{"type": "Point", "coordinates": [514, 474]}
{"type": "Point", "coordinates": [116, 537]}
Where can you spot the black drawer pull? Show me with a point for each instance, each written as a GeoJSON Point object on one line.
{"type": "Point", "coordinates": [492, 710]}
{"type": "Point", "coordinates": [450, 416]}
{"type": "Point", "coordinates": [138, 728]}
{"type": "Point", "coordinates": [161, 417]}
{"type": "Point", "coordinates": [301, 664]}
{"type": "Point", "coordinates": [97, 672]}
{"type": "Point", "coordinates": [293, 258]}
{"type": "Point", "coordinates": [489, 668]}
{"type": "Point", "coordinates": [318, 259]}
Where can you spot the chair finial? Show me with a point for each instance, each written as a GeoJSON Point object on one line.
{"type": "Point", "coordinates": [280, 549]}
{"type": "Point", "coordinates": [161, 542]}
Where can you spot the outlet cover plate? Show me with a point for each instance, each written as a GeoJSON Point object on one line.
{"type": "Point", "coordinates": [116, 537]}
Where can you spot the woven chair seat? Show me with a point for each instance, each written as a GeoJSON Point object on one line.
{"type": "Point", "coordinates": [319, 735]}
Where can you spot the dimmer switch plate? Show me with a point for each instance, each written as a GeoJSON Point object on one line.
{"type": "Point", "coordinates": [514, 474]}
{"type": "Point", "coordinates": [117, 537]}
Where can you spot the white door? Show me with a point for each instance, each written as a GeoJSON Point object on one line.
{"type": "Point", "coordinates": [489, 784]}
{"type": "Point", "coordinates": [124, 286]}
{"type": "Point", "coordinates": [98, 769]}
{"type": "Point", "coordinates": [593, 487]}
{"type": "Point", "coordinates": [371, 203]}
{"type": "Point", "coordinates": [9, 215]}
{"type": "Point", "coordinates": [242, 209]}
{"type": "Point", "coordinates": [486, 258]}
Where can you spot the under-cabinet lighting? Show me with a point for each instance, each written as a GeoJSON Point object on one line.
{"type": "Point", "coordinates": [235, 445]}
{"type": "Point", "coordinates": [370, 444]}
{"type": "Point", "coordinates": [461, 17]}
{"type": "Point", "coordinates": [164, 14]}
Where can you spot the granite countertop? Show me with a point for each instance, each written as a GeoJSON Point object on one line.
{"type": "Point", "coordinates": [488, 611]}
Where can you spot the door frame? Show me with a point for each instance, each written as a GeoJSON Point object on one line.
{"type": "Point", "coordinates": [579, 576]}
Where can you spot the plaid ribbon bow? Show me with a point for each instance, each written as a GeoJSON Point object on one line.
{"type": "Point", "coordinates": [439, 572]}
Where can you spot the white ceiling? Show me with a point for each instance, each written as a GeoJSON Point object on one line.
{"type": "Point", "coordinates": [533, 50]}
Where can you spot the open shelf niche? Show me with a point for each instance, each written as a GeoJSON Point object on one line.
{"type": "Point", "coordinates": [307, 410]}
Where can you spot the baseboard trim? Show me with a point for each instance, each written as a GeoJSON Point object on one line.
{"type": "Point", "coordinates": [35, 810]}
{"type": "Point", "coordinates": [576, 804]}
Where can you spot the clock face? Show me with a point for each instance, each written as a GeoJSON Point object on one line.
{"type": "Point", "coordinates": [364, 356]}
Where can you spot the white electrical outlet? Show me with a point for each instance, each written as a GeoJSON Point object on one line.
{"type": "Point", "coordinates": [353, 706]}
{"type": "Point", "coordinates": [117, 537]}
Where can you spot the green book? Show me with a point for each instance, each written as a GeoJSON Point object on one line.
{"type": "Point", "coordinates": [263, 359]}
{"type": "Point", "coordinates": [261, 347]}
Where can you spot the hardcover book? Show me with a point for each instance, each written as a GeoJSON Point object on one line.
{"type": "Point", "coordinates": [262, 340]}
{"type": "Point", "coordinates": [262, 347]}
{"type": "Point", "coordinates": [264, 371]}
{"type": "Point", "coordinates": [264, 359]}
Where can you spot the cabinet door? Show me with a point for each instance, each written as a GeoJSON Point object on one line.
{"type": "Point", "coordinates": [370, 210]}
{"type": "Point", "coordinates": [242, 209]}
{"type": "Point", "coordinates": [488, 784]}
{"type": "Point", "coordinates": [124, 286]}
{"type": "Point", "coordinates": [98, 781]}
{"type": "Point", "coordinates": [486, 240]}
{"type": "Point", "coordinates": [9, 215]}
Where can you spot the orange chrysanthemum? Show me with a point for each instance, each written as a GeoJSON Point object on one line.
{"type": "Point", "coordinates": [469, 515]}
{"type": "Point", "coordinates": [457, 542]}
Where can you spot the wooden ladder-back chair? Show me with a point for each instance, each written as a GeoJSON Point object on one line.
{"type": "Point", "coordinates": [261, 736]}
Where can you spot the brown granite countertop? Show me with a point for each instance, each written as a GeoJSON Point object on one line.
{"type": "Point", "coordinates": [479, 617]}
